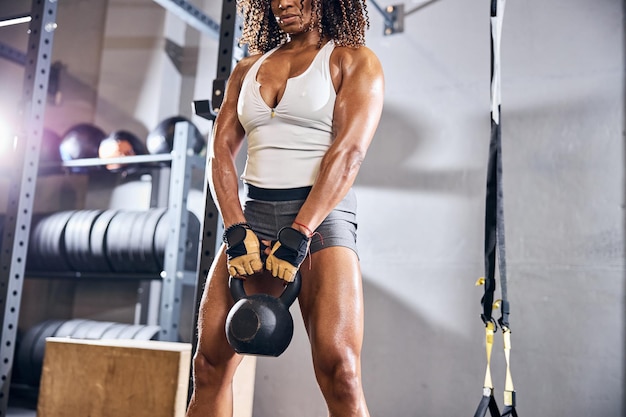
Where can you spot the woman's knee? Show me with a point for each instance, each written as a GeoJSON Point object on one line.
{"type": "Point", "coordinates": [213, 369]}
{"type": "Point", "coordinates": [340, 374]}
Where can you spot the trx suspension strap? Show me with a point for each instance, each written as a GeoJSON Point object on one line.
{"type": "Point", "coordinates": [494, 239]}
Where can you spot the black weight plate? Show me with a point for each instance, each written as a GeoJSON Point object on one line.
{"type": "Point", "coordinates": [41, 242]}
{"type": "Point", "coordinates": [16, 375]}
{"type": "Point", "coordinates": [54, 239]}
{"type": "Point", "coordinates": [84, 240]}
{"type": "Point", "coordinates": [27, 348]}
{"type": "Point", "coordinates": [24, 353]}
{"type": "Point", "coordinates": [39, 350]}
{"type": "Point", "coordinates": [68, 327]}
{"type": "Point", "coordinates": [114, 331]}
{"type": "Point", "coordinates": [126, 253]}
{"type": "Point", "coordinates": [77, 239]}
{"type": "Point", "coordinates": [161, 235]}
{"type": "Point", "coordinates": [149, 332]}
{"type": "Point", "coordinates": [113, 240]}
{"type": "Point", "coordinates": [147, 239]}
{"type": "Point", "coordinates": [130, 331]}
{"type": "Point", "coordinates": [73, 230]}
{"type": "Point", "coordinates": [81, 330]}
{"type": "Point", "coordinates": [140, 263]}
{"type": "Point", "coordinates": [97, 329]}
{"type": "Point", "coordinates": [47, 243]}
{"type": "Point", "coordinates": [68, 238]}
{"type": "Point", "coordinates": [117, 241]}
{"type": "Point", "coordinates": [34, 253]}
{"type": "Point", "coordinates": [192, 243]}
{"type": "Point", "coordinates": [44, 255]}
{"type": "Point", "coordinates": [98, 242]}
{"type": "Point", "coordinates": [44, 242]}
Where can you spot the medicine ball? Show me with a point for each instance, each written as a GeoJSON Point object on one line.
{"type": "Point", "coordinates": [118, 144]}
{"type": "Point", "coordinates": [161, 138]}
{"type": "Point", "coordinates": [81, 141]}
{"type": "Point", "coordinates": [50, 146]}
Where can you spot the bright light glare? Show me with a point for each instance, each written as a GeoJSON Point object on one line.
{"type": "Point", "coordinates": [7, 141]}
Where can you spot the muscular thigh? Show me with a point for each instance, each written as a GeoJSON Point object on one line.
{"type": "Point", "coordinates": [214, 307]}
{"type": "Point", "coordinates": [331, 300]}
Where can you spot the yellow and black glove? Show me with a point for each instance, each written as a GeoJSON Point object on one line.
{"type": "Point", "coordinates": [243, 250]}
{"type": "Point", "coordinates": [287, 254]}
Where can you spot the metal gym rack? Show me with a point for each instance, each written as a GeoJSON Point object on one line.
{"type": "Point", "coordinates": [23, 178]}
{"type": "Point", "coordinates": [171, 183]}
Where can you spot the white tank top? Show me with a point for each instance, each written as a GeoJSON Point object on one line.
{"type": "Point", "coordinates": [286, 144]}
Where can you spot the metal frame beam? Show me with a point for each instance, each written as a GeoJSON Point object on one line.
{"type": "Point", "coordinates": [394, 15]}
{"type": "Point", "coordinates": [191, 15]}
{"type": "Point", "coordinates": [12, 54]}
{"type": "Point", "coordinates": [15, 20]}
{"type": "Point", "coordinates": [173, 273]}
{"type": "Point", "coordinates": [212, 227]}
{"type": "Point", "coordinates": [22, 192]}
{"type": "Point", "coordinates": [229, 51]}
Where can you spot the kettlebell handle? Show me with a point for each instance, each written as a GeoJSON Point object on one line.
{"type": "Point", "coordinates": [287, 297]}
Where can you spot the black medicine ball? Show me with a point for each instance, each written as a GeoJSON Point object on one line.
{"type": "Point", "coordinates": [161, 138]}
{"type": "Point", "coordinates": [81, 141]}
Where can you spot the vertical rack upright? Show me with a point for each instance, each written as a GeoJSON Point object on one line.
{"type": "Point", "coordinates": [23, 182]}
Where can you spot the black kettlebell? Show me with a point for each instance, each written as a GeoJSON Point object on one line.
{"type": "Point", "coordinates": [260, 324]}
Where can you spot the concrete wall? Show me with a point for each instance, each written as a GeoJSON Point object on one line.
{"type": "Point", "coordinates": [421, 250]}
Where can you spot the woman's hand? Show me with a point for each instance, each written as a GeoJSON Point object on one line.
{"type": "Point", "coordinates": [243, 251]}
{"type": "Point", "coordinates": [285, 255]}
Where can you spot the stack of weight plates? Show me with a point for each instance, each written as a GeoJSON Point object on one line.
{"type": "Point", "coordinates": [29, 353]}
{"type": "Point", "coordinates": [107, 241]}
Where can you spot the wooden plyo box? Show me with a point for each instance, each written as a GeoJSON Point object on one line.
{"type": "Point", "coordinates": [114, 378]}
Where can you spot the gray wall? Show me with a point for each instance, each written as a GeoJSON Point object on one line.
{"type": "Point", "coordinates": [421, 205]}
{"type": "Point", "coordinates": [421, 197]}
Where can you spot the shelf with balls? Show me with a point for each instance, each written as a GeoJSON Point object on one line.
{"type": "Point", "coordinates": [158, 244]}
{"type": "Point", "coordinates": [85, 147]}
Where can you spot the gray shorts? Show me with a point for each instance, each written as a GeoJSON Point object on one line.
{"type": "Point", "coordinates": [266, 218]}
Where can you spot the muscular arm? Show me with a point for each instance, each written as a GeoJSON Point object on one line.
{"type": "Point", "coordinates": [227, 138]}
{"type": "Point", "coordinates": [357, 111]}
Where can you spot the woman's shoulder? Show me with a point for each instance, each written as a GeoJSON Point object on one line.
{"type": "Point", "coordinates": [348, 55]}
{"type": "Point", "coordinates": [348, 59]}
{"type": "Point", "coordinates": [243, 66]}
{"type": "Point", "coordinates": [246, 62]}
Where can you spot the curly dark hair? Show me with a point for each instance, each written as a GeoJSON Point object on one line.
{"type": "Point", "coordinates": [343, 21]}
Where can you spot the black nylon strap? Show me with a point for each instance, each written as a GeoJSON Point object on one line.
{"type": "Point", "coordinates": [504, 318]}
{"type": "Point", "coordinates": [491, 219]}
{"type": "Point", "coordinates": [487, 403]}
{"type": "Point", "coordinates": [509, 411]}
{"type": "Point", "coordinates": [494, 248]}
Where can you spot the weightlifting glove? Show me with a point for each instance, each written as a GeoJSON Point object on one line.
{"type": "Point", "coordinates": [287, 254]}
{"type": "Point", "coordinates": [243, 250]}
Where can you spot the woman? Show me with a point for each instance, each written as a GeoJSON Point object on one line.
{"type": "Point", "coordinates": [308, 99]}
